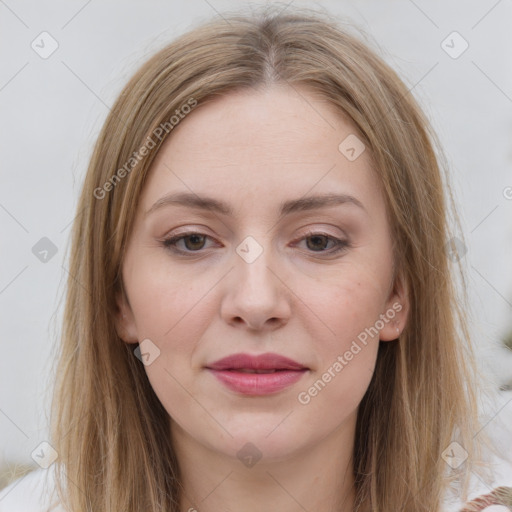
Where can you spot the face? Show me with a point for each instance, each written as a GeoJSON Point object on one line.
{"type": "Point", "coordinates": [262, 269]}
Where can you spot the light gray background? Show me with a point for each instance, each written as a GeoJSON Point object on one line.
{"type": "Point", "coordinates": [52, 110]}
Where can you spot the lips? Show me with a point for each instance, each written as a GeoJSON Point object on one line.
{"type": "Point", "coordinates": [257, 375]}
{"type": "Point", "coordinates": [263, 363]}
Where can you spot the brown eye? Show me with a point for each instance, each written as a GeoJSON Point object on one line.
{"type": "Point", "coordinates": [318, 242]}
{"type": "Point", "coordinates": [196, 242]}
{"type": "Point", "coordinates": [192, 242]}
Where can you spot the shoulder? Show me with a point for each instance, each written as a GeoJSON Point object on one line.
{"type": "Point", "coordinates": [495, 496]}
{"type": "Point", "coordinates": [32, 492]}
{"type": "Point", "coordinates": [500, 498]}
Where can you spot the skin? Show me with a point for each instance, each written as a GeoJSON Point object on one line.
{"type": "Point", "coordinates": [254, 150]}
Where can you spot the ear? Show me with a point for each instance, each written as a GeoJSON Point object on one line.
{"type": "Point", "coordinates": [124, 319]}
{"type": "Point", "coordinates": [397, 309]}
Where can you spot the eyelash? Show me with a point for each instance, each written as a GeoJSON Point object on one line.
{"type": "Point", "coordinates": [170, 243]}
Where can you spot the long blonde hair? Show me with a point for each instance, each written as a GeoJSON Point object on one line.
{"type": "Point", "coordinates": [110, 430]}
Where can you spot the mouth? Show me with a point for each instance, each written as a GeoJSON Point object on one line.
{"type": "Point", "coordinates": [257, 375]}
{"type": "Point", "coordinates": [250, 370]}
{"type": "Point", "coordinates": [262, 363]}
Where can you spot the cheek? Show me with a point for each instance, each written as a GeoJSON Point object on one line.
{"type": "Point", "coordinates": [347, 304]}
{"type": "Point", "coordinates": [163, 301]}
{"type": "Point", "coordinates": [173, 310]}
{"type": "Point", "coordinates": [346, 352]}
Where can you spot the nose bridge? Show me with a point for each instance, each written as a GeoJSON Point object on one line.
{"type": "Point", "coordinates": [253, 264]}
{"type": "Point", "coordinates": [255, 293]}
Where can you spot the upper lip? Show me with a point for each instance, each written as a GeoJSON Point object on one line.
{"type": "Point", "coordinates": [267, 361]}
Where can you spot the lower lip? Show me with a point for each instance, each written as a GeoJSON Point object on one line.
{"type": "Point", "coordinates": [258, 383]}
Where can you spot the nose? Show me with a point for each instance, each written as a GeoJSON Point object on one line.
{"type": "Point", "coordinates": [256, 296]}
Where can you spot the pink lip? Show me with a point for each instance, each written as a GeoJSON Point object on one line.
{"type": "Point", "coordinates": [287, 372]}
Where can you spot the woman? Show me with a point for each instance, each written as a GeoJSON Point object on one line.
{"type": "Point", "coordinates": [261, 312]}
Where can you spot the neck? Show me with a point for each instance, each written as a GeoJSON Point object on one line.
{"type": "Point", "coordinates": [318, 478]}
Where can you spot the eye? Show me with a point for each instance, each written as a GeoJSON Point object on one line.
{"type": "Point", "coordinates": [193, 241]}
{"type": "Point", "coordinates": [317, 242]}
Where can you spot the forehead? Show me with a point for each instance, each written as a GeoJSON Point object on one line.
{"type": "Point", "coordinates": [262, 145]}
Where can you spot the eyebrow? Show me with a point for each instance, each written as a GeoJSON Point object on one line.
{"type": "Point", "coordinates": [192, 200]}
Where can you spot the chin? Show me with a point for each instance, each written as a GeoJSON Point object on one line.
{"type": "Point", "coordinates": [268, 440]}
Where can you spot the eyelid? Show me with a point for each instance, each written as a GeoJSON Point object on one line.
{"type": "Point", "coordinates": [169, 242]}
{"type": "Point", "coordinates": [310, 231]}
{"type": "Point", "coordinates": [341, 244]}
